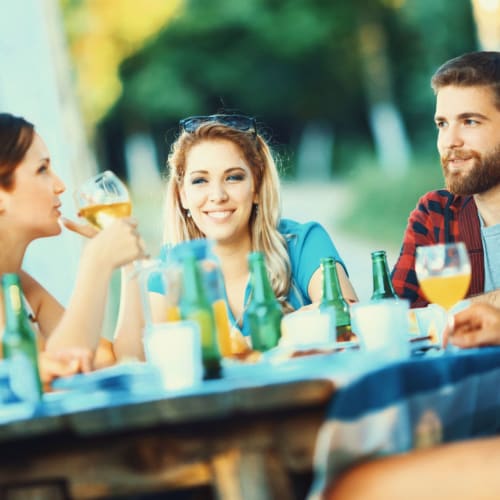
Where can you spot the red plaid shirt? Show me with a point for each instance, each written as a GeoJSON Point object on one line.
{"type": "Point", "coordinates": [440, 217]}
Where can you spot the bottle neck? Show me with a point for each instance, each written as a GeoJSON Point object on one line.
{"type": "Point", "coordinates": [13, 303]}
{"type": "Point", "coordinates": [192, 283]}
{"type": "Point", "coordinates": [261, 288]}
{"type": "Point", "coordinates": [331, 284]}
{"type": "Point", "coordinates": [382, 284]}
{"type": "Point", "coordinates": [333, 299]}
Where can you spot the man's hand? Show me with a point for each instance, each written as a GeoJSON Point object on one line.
{"type": "Point", "coordinates": [478, 325]}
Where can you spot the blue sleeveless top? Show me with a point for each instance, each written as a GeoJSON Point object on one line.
{"type": "Point", "coordinates": [306, 242]}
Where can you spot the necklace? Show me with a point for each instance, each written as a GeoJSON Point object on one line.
{"type": "Point", "coordinates": [237, 322]}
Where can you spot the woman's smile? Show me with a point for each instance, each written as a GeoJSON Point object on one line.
{"type": "Point", "coordinates": [220, 215]}
{"type": "Point", "coordinates": [218, 190]}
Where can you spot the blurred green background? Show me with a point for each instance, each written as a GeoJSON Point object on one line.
{"type": "Point", "coordinates": [341, 90]}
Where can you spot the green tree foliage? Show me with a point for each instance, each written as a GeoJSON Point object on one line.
{"type": "Point", "coordinates": [431, 32]}
{"type": "Point", "coordinates": [290, 62]}
{"type": "Point", "coordinates": [101, 34]}
{"type": "Point", "coordinates": [282, 60]}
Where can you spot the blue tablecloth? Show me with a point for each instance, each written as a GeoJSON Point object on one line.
{"type": "Point", "coordinates": [379, 407]}
{"type": "Point", "coordinates": [407, 405]}
{"type": "Point", "coordinates": [136, 382]}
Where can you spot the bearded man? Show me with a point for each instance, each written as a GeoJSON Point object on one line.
{"type": "Point", "coordinates": [467, 90]}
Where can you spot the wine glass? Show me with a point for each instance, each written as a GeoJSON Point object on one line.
{"type": "Point", "coordinates": [102, 198]}
{"type": "Point", "coordinates": [444, 274]}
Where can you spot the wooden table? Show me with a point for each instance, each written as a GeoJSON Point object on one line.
{"type": "Point", "coordinates": [247, 443]}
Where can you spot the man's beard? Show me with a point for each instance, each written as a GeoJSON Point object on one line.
{"type": "Point", "coordinates": [482, 176]}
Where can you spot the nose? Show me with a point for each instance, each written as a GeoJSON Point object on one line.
{"type": "Point", "coordinates": [218, 193]}
{"type": "Point", "coordinates": [59, 186]}
{"type": "Point", "coordinates": [450, 137]}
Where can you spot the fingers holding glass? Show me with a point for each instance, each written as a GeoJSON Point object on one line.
{"type": "Point", "coordinates": [101, 200]}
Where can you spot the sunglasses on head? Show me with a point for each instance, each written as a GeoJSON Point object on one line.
{"type": "Point", "coordinates": [238, 122]}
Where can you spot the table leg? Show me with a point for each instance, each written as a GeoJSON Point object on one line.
{"type": "Point", "coordinates": [35, 490]}
{"type": "Point", "coordinates": [250, 475]}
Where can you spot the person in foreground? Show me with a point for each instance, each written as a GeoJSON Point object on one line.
{"type": "Point", "coordinates": [458, 471]}
{"type": "Point", "coordinates": [468, 120]}
{"type": "Point", "coordinates": [224, 185]}
{"type": "Point", "coordinates": [476, 326]}
{"type": "Point", "coordinates": [435, 472]}
{"type": "Point", "coordinates": [29, 209]}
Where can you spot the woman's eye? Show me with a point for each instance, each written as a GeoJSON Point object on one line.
{"type": "Point", "coordinates": [198, 180]}
{"type": "Point", "coordinates": [42, 169]}
{"type": "Point", "coordinates": [235, 177]}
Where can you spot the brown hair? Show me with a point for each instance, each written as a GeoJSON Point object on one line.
{"type": "Point", "coordinates": [265, 236]}
{"type": "Point", "coordinates": [16, 136]}
{"type": "Point", "coordinates": [471, 69]}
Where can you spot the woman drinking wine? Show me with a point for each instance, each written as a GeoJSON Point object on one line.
{"type": "Point", "coordinates": [30, 209]}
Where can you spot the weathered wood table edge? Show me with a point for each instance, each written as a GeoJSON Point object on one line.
{"type": "Point", "coordinates": [244, 441]}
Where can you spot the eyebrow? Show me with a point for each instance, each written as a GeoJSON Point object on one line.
{"type": "Point", "coordinates": [197, 172]}
{"type": "Point", "coordinates": [229, 169]}
{"type": "Point", "coordinates": [463, 116]}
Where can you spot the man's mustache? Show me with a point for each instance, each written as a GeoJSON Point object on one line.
{"type": "Point", "coordinates": [458, 154]}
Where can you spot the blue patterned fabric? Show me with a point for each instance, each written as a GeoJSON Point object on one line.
{"type": "Point", "coordinates": [408, 405]}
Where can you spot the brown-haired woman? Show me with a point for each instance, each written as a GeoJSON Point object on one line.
{"type": "Point", "coordinates": [29, 209]}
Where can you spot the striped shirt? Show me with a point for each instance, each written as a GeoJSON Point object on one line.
{"type": "Point", "coordinates": [440, 217]}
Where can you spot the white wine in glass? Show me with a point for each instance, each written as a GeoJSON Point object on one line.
{"type": "Point", "coordinates": [102, 198]}
{"type": "Point", "coordinates": [443, 272]}
{"type": "Point", "coordinates": [100, 215]}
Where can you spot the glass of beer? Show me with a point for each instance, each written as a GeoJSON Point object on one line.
{"type": "Point", "coordinates": [443, 272]}
{"type": "Point", "coordinates": [102, 198]}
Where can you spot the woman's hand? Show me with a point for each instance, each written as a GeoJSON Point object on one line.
{"type": "Point", "coordinates": [121, 236]}
{"type": "Point", "coordinates": [239, 344]}
{"type": "Point", "coordinates": [82, 229]}
{"type": "Point", "coordinates": [63, 363]}
{"type": "Point", "coordinates": [116, 245]}
{"type": "Point", "coordinates": [478, 325]}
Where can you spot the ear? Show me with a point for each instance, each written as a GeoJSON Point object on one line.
{"type": "Point", "coordinates": [3, 201]}
{"type": "Point", "coordinates": [182, 196]}
{"type": "Point", "coordinates": [255, 198]}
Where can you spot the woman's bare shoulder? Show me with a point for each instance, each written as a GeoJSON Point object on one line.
{"type": "Point", "coordinates": [46, 308]}
{"type": "Point", "coordinates": [32, 289]}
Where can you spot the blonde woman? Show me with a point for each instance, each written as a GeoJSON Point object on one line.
{"type": "Point", "coordinates": [224, 185]}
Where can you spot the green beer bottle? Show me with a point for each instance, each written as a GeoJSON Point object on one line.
{"type": "Point", "coordinates": [194, 305]}
{"type": "Point", "coordinates": [19, 342]}
{"type": "Point", "coordinates": [332, 298]}
{"type": "Point", "coordinates": [382, 284]}
{"type": "Point", "coordinates": [264, 311]}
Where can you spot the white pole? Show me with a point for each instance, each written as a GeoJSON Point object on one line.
{"type": "Point", "coordinates": [35, 84]}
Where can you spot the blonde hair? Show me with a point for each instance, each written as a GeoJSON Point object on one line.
{"type": "Point", "coordinates": [265, 217]}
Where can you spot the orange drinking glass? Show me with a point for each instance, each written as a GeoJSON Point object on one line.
{"type": "Point", "coordinates": [443, 272]}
